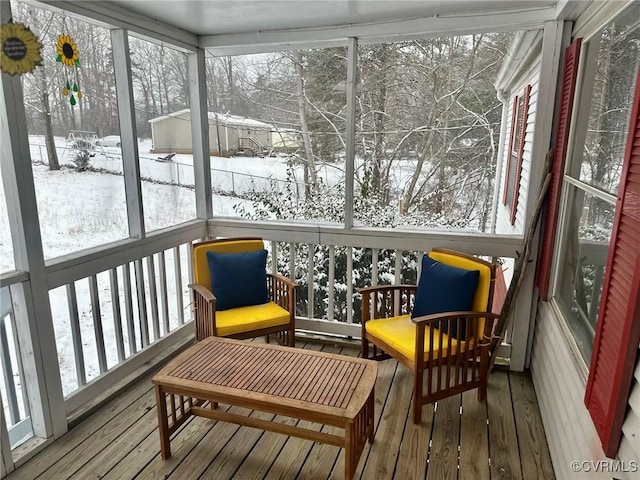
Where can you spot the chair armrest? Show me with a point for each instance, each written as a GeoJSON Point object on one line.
{"type": "Point", "coordinates": [282, 279]}
{"type": "Point", "coordinates": [385, 288]}
{"type": "Point", "coordinates": [426, 321]}
{"type": "Point", "coordinates": [436, 317]}
{"type": "Point", "coordinates": [203, 291]}
{"type": "Point", "coordinates": [388, 300]}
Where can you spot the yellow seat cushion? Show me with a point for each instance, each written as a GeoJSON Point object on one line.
{"type": "Point", "coordinates": [400, 334]}
{"type": "Point", "coordinates": [253, 317]}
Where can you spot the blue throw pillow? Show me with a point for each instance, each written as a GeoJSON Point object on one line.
{"type": "Point", "coordinates": [443, 288]}
{"type": "Point", "coordinates": [238, 279]}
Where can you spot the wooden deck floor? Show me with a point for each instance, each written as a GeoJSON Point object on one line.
{"type": "Point", "coordinates": [461, 438]}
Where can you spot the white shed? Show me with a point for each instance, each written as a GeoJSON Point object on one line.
{"type": "Point", "coordinates": [228, 134]}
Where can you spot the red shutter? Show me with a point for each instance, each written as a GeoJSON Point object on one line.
{"type": "Point", "coordinates": [523, 133]}
{"type": "Point", "coordinates": [569, 74]}
{"type": "Point", "coordinates": [514, 113]}
{"type": "Point", "coordinates": [615, 347]}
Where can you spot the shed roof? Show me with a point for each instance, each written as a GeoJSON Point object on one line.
{"type": "Point", "coordinates": [224, 118]}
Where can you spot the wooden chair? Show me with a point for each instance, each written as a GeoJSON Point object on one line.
{"type": "Point", "coordinates": [443, 364]}
{"type": "Point", "coordinates": [277, 316]}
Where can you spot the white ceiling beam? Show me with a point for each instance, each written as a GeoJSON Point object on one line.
{"type": "Point", "coordinates": [313, 37]}
{"type": "Point", "coordinates": [111, 15]}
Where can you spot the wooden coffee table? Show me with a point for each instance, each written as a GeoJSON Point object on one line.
{"type": "Point", "coordinates": [314, 386]}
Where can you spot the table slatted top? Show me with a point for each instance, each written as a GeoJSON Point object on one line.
{"type": "Point", "coordinates": [290, 373]}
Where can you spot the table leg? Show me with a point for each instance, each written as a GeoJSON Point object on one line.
{"type": "Point", "coordinates": [163, 423]}
{"type": "Point", "coordinates": [370, 418]}
{"type": "Point", "coordinates": [349, 450]}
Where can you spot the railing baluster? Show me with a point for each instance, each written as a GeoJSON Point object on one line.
{"type": "Point", "coordinates": [16, 343]}
{"type": "Point", "coordinates": [6, 456]}
{"type": "Point", "coordinates": [97, 323]}
{"type": "Point", "coordinates": [117, 314]}
{"type": "Point", "coordinates": [153, 297]}
{"type": "Point", "coordinates": [398, 280]}
{"type": "Point", "coordinates": [128, 308]}
{"type": "Point", "coordinates": [310, 264]}
{"type": "Point", "coordinates": [292, 261]}
{"type": "Point", "coordinates": [349, 284]}
{"type": "Point", "coordinates": [274, 257]}
{"type": "Point", "coordinates": [374, 266]}
{"type": "Point", "coordinates": [164, 295]}
{"type": "Point", "coordinates": [142, 302]}
{"type": "Point", "coordinates": [189, 247]}
{"type": "Point", "coordinates": [332, 282]}
{"type": "Point", "coordinates": [76, 336]}
{"type": "Point", "coordinates": [177, 267]}
{"type": "Point", "coordinates": [7, 373]}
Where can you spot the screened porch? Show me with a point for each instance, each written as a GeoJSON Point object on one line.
{"type": "Point", "coordinates": [97, 252]}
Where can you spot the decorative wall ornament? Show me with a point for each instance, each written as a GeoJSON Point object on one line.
{"type": "Point", "coordinates": [68, 55]}
{"type": "Point", "coordinates": [20, 52]}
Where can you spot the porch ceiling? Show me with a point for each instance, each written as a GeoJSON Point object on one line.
{"type": "Point", "coordinates": [231, 27]}
{"type": "Point", "coordinates": [218, 17]}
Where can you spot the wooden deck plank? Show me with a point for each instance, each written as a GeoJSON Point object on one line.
{"type": "Point", "coordinates": [381, 461]}
{"type": "Point", "coordinates": [204, 450]}
{"type": "Point", "coordinates": [121, 442]}
{"type": "Point", "coordinates": [231, 457]}
{"type": "Point", "coordinates": [292, 457]}
{"type": "Point", "coordinates": [414, 449]}
{"type": "Point", "coordinates": [532, 443]}
{"type": "Point", "coordinates": [74, 437]}
{"type": "Point", "coordinates": [112, 453]}
{"type": "Point", "coordinates": [503, 440]}
{"type": "Point", "coordinates": [443, 454]}
{"type": "Point", "coordinates": [100, 439]}
{"type": "Point", "coordinates": [474, 440]}
{"type": "Point", "coordinates": [145, 459]}
{"type": "Point", "coordinates": [264, 453]}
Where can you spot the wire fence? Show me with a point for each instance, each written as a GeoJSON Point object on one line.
{"type": "Point", "coordinates": [172, 172]}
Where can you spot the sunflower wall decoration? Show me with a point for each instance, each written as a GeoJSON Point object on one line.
{"type": "Point", "coordinates": [20, 49]}
{"type": "Point", "coordinates": [67, 51]}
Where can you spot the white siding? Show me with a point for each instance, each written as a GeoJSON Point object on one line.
{"type": "Point", "coordinates": [560, 390]}
{"type": "Point", "coordinates": [630, 444]}
{"type": "Point", "coordinates": [503, 219]}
